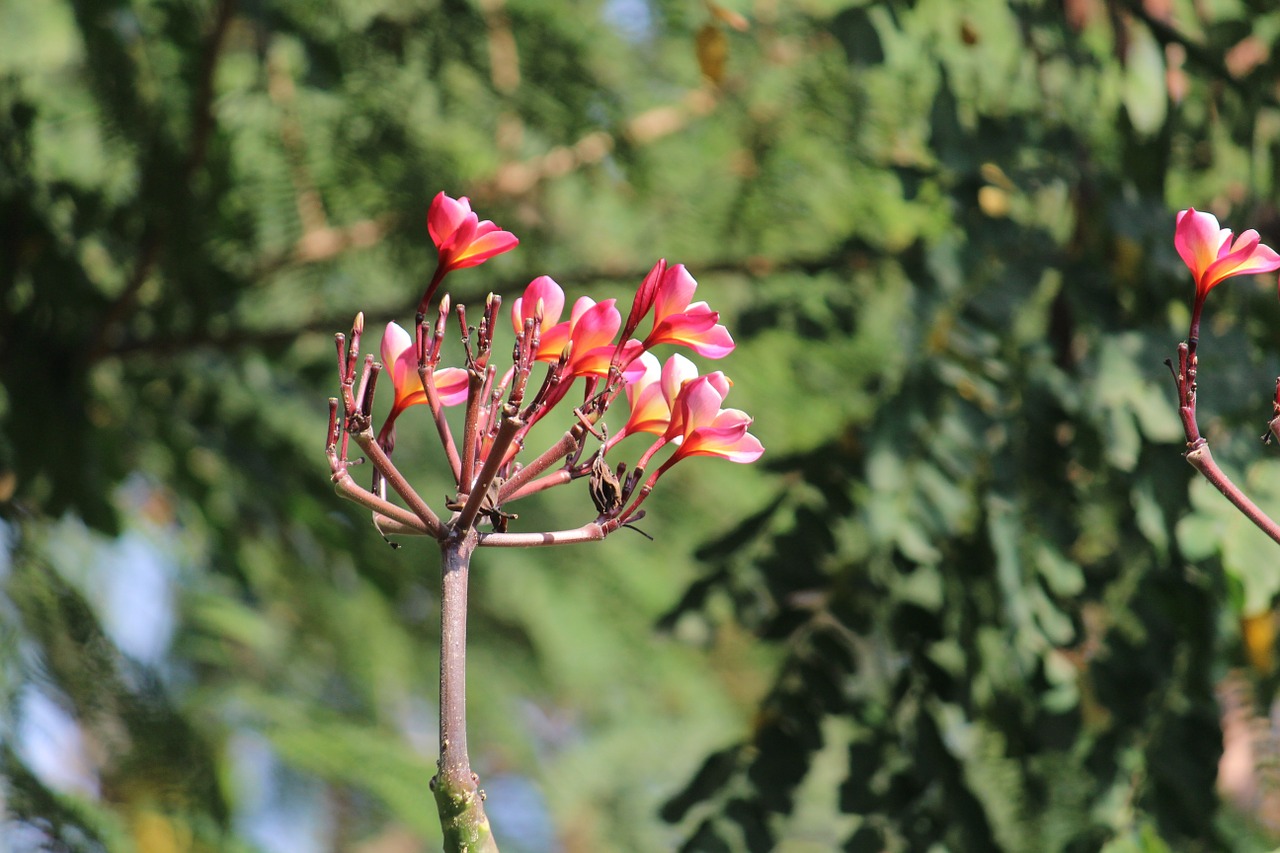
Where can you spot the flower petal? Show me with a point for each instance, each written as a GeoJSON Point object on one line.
{"type": "Point", "coordinates": [594, 325]}
{"type": "Point", "coordinates": [445, 215]}
{"type": "Point", "coordinates": [675, 373]}
{"type": "Point", "coordinates": [483, 248]}
{"type": "Point", "coordinates": [732, 442]}
{"type": "Point", "coordinates": [525, 307]}
{"type": "Point", "coordinates": [696, 329]}
{"type": "Point", "coordinates": [453, 384]}
{"type": "Point", "coordinates": [674, 293]}
{"type": "Point", "coordinates": [1197, 239]}
{"type": "Point", "coordinates": [399, 360]}
{"type": "Point", "coordinates": [696, 405]}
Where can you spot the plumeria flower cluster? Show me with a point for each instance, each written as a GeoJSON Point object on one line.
{"type": "Point", "coordinates": [592, 348]}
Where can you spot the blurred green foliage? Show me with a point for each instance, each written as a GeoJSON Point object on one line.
{"type": "Point", "coordinates": [970, 600]}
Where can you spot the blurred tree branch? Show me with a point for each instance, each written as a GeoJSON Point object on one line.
{"type": "Point", "coordinates": [203, 123]}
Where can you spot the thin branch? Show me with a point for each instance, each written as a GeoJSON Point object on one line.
{"type": "Point", "coordinates": [511, 424]}
{"type": "Point", "coordinates": [391, 518]}
{"type": "Point", "coordinates": [152, 239]}
{"type": "Point", "coordinates": [427, 376]}
{"type": "Point", "coordinates": [591, 532]}
{"type": "Point", "coordinates": [1202, 460]}
{"type": "Point", "coordinates": [396, 480]}
{"type": "Point", "coordinates": [471, 416]}
{"type": "Point", "coordinates": [549, 457]}
{"type": "Point", "coordinates": [517, 179]}
{"type": "Point", "coordinates": [1198, 454]}
{"type": "Point", "coordinates": [549, 481]}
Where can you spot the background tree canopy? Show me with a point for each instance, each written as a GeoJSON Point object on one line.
{"type": "Point", "coordinates": [972, 598]}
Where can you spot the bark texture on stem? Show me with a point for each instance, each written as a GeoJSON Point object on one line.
{"type": "Point", "coordinates": [458, 795]}
{"type": "Point", "coordinates": [1198, 454]}
{"type": "Point", "coordinates": [1202, 460]}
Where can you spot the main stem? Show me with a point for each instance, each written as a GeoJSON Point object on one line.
{"type": "Point", "coordinates": [458, 796]}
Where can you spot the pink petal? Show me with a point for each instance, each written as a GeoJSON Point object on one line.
{"type": "Point", "coordinates": [452, 383]}
{"type": "Point", "coordinates": [553, 341]}
{"type": "Point", "coordinates": [729, 442]}
{"type": "Point", "coordinates": [731, 417]}
{"type": "Point", "coordinates": [1246, 257]}
{"type": "Point", "coordinates": [399, 359]}
{"type": "Point", "coordinates": [394, 341]}
{"type": "Point", "coordinates": [675, 373]}
{"type": "Point", "coordinates": [594, 325]}
{"type": "Point", "coordinates": [1250, 256]}
{"type": "Point", "coordinates": [697, 330]}
{"type": "Point", "coordinates": [649, 372]}
{"type": "Point", "coordinates": [674, 293]}
{"type": "Point", "coordinates": [1198, 239]}
{"type": "Point", "coordinates": [594, 362]}
{"type": "Point", "coordinates": [721, 383]}
{"type": "Point", "coordinates": [1243, 245]}
{"type": "Point", "coordinates": [525, 307]}
{"type": "Point", "coordinates": [696, 406]}
{"type": "Point", "coordinates": [445, 215]}
{"type": "Point", "coordinates": [483, 248]}
{"type": "Point", "coordinates": [650, 411]}
{"type": "Point", "coordinates": [581, 305]}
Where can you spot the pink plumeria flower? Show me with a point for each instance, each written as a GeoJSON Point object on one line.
{"type": "Point", "coordinates": [1209, 253]}
{"type": "Point", "coordinates": [676, 321]}
{"type": "Point", "coordinates": [591, 328]}
{"type": "Point", "coordinates": [400, 361]}
{"type": "Point", "coordinates": [702, 428]}
{"type": "Point", "coordinates": [461, 239]}
{"type": "Point", "coordinates": [544, 290]}
{"type": "Point", "coordinates": [698, 426]}
{"type": "Point", "coordinates": [650, 396]}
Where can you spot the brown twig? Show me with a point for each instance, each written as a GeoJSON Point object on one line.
{"type": "Point", "coordinates": [553, 454]}
{"type": "Point", "coordinates": [1198, 454]}
{"type": "Point", "coordinates": [396, 480]}
{"type": "Point", "coordinates": [511, 424]}
{"type": "Point", "coordinates": [592, 532]}
{"type": "Point", "coordinates": [1202, 460]}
